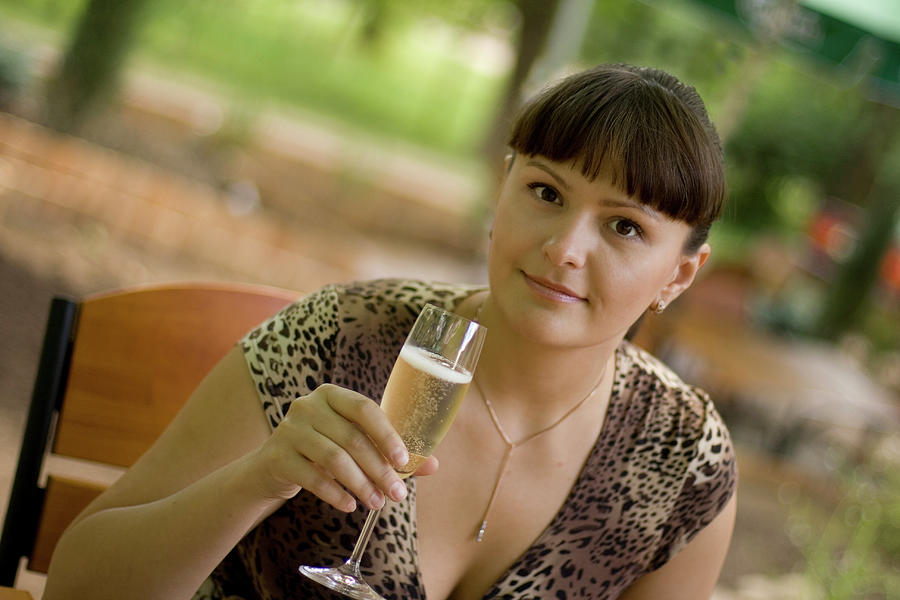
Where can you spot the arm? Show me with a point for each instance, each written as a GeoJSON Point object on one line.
{"type": "Point", "coordinates": [215, 473]}
{"type": "Point", "coordinates": [692, 573]}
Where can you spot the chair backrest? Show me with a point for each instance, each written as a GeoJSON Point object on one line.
{"type": "Point", "coordinates": [114, 370]}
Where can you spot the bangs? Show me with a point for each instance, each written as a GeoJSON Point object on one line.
{"type": "Point", "coordinates": [650, 142]}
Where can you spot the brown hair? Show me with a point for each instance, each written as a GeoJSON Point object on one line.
{"type": "Point", "coordinates": [648, 128]}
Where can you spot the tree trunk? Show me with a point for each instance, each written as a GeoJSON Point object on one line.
{"type": "Point", "coordinates": [537, 19]}
{"type": "Point", "coordinates": [563, 41]}
{"type": "Point", "coordinates": [90, 68]}
{"type": "Point", "coordinates": [859, 274]}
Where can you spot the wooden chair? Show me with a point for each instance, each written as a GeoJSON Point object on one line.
{"type": "Point", "coordinates": [114, 370]}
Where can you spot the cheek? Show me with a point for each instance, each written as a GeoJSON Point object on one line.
{"type": "Point", "coordinates": [630, 282]}
{"type": "Point", "coordinates": [511, 235]}
{"type": "Point", "coordinates": [502, 255]}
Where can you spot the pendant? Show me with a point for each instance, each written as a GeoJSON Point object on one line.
{"type": "Point", "coordinates": [481, 529]}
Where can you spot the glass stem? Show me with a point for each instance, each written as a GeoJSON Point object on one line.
{"type": "Point", "coordinates": [363, 540]}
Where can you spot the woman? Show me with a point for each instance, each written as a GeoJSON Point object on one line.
{"type": "Point", "coordinates": [578, 466]}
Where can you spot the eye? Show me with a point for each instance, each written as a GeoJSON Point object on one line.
{"type": "Point", "coordinates": [626, 228]}
{"type": "Point", "coordinates": [545, 193]}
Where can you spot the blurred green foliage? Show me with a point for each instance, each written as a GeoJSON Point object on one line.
{"type": "Point", "coordinates": [309, 55]}
{"type": "Point", "coordinates": [412, 83]}
{"type": "Point", "coordinates": [797, 132]}
{"type": "Point", "coordinates": [673, 36]}
{"type": "Point", "coordinates": [57, 14]}
{"type": "Point", "coordinates": [851, 548]}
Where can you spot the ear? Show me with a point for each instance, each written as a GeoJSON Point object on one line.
{"type": "Point", "coordinates": [508, 161]}
{"type": "Point", "coordinates": [684, 274]}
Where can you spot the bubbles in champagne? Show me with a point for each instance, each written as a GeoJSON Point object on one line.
{"type": "Point", "coordinates": [422, 398]}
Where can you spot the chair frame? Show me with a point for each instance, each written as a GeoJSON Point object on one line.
{"type": "Point", "coordinates": [26, 498]}
{"type": "Point", "coordinates": [28, 501]}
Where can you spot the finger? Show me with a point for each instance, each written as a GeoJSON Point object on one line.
{"type": "Point", "coordinates": [359, 409]}
{"type": "Point", "coordinates": [284, 470]}
{"type": "Point", "coordinates": [340, 464]}
{"type": "Point", "coordinates": [318, 482]}
{"type": "Point", "coordinates": [333, 424]}
{"type": "Point", "coordinates": [429, 467]}
{"type": "Point", "coordinates": [368, 466]}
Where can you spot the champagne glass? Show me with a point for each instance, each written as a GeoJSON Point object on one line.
{"type": "Point", "coordinates": [421, 399]}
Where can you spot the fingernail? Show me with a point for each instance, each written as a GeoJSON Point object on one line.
{"type": "Point", "coordinates": [398, 491]}
{"type": "Point", "coordinates": [376, 500]}
{"type": "Point", "coordinates": [400, 457]}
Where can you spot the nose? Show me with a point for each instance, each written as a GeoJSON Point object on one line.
{"type": "Point", "coordinates": [568, 243]}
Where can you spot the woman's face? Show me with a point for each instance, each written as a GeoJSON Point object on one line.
{"type": "Point", "coordinates": [575, 262]}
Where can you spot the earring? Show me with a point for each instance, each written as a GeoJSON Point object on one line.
{"type": "Point", "coordinates": [660, 306]}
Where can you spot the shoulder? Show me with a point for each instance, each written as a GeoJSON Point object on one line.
{"type": "Point", "coordinates": [370, 306]}
{"type": "Point", "coordinates": [380, 294]}
{"type": "Point", "coordinates": [638, 364]}
{"type": "Point", "coordinates": [644, 377]}
{"type": "Point", "coordinates": [674, 410]}
{"type": "Point", "coordinates": [681, 429]}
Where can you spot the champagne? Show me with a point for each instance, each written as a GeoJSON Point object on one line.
{"type": "Point", "coordinates": [421, 399]}
{"type": "Point", "coordinates": [415, 461]}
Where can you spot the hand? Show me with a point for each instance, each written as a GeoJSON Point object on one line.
{"type": "Point", "coordinates": [330, 440]}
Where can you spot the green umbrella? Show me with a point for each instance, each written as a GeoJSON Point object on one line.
{"type": "Point", "coordinates": [860, 38]}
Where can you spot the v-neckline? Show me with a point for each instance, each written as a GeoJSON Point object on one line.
{"type": "Point", "coordinates": [615, 397]}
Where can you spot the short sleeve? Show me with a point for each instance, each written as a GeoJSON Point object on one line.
{"type": "Point", "coordinates": [292, 353]}
{"type": "Point", "coordinates": [709, 482]}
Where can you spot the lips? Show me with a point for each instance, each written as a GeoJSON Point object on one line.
{"type": "Point", "coordinates": [552, 290]}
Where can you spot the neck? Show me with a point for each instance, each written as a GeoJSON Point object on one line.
{"type": "Point", "coordinates": [538, 379]}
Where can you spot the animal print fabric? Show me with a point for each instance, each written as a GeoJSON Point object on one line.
{"type": "Point", "coordinates": [661, 469]}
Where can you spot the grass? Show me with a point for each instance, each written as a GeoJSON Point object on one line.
{"type": "Point", "coordinates": [409, 84]}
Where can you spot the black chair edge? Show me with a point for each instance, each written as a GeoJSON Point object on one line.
{"type": "Point", "coordinates": [26, 496]}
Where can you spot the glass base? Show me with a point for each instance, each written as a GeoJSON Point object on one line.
{"type": "Point", "coordinates": [344, 579]}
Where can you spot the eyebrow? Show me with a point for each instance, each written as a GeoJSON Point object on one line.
{"type": "Point", "coordinates": [644, 208]}
{"type": "Point", "coordinates": [547, 169]}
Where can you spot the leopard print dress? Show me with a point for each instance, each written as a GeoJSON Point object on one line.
{"type": "Point", "coordinates": [661, 469]}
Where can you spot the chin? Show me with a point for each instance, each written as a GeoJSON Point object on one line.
{"type": "Point", "coordinates": [536, 325]}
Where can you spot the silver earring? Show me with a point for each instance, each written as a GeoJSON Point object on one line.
{"type": "Point", "coordinates": [660, 306]}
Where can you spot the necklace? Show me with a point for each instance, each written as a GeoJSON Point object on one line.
{"type": "Point", "coordinates": [511, 445]}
